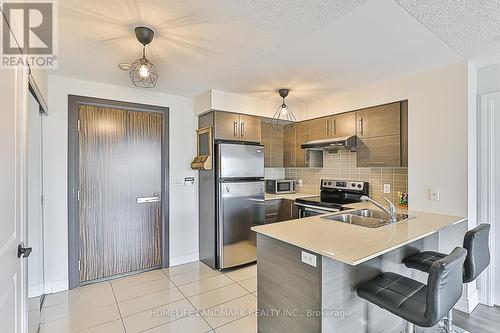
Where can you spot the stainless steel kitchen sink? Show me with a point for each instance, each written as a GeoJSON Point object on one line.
{"type": "Point", "coordinates": [366, 218]}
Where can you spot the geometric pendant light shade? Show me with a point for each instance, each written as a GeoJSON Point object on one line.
{"type": "Point", "coordinates": [142, 71]}
{"type": "Point", "coordinates": [283, 119]}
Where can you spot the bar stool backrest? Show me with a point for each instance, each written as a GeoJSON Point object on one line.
{"type": "Point", "coordinates": [476, 242]}
{"type": "Point", "coordinates": [444, 285]}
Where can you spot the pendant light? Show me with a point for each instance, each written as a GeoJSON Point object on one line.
{"type": "Point", "coordinates": [142, 71]}
{"type": "Point", "coordinates": [283, 119]}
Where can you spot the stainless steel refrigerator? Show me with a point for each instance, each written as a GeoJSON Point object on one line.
{"type": "Point", "coordinates": [240, 202]}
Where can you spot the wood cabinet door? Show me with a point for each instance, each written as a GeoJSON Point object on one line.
{"type": "Point", "coordinates": [320, 128]}
{"type": "Point", "coordinates": [277, 146]}
{"type": "Point", "coordinates": [289, 148]}
{"type": "Point", "coordinates": [301, 136]}
{"type": "Point", "coordinates": [227, 126]}
{"type": "Point", "coordinates": [266, 129]}
{"type": "Point", "coordinates": [344, 124]}
{"type": "Point", "coordinates": [250, 128]}
{"type": "Point", "coordinates": [379, 152]}
{"type": "Point", "coordinates": [379, 121]}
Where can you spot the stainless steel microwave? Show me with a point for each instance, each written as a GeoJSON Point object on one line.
{"type": "Point", "coordinates": [280, 186]}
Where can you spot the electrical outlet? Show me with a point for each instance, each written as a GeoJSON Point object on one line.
{"type": "Point", "coordinates": [387, 188]}
{"type": "Point", "coordinates": [434, 194]}
{"type": "Point", "coordinates": [308, 258]}
{"type": "Point", "coordinates": [299, 182]}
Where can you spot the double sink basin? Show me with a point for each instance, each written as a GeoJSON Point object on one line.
{"type": "Point", "coordinates": [366, 218]}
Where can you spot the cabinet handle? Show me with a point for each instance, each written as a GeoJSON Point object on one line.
{"type": "Point", "coordinates": [327, 124]}
{"type": "Point", "coordinates": [361, 129]}
{"type": "Point", "coordinates": [235, 128]}
{"type": "Point", "coordinates": [377, 163]}
{"type": "Point", "coordinates": [334, 126]}
{"type": "Point", "coordinates": [242, 129]}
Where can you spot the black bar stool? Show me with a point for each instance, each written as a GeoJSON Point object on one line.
{"type": "Point", "coordinates": [478, 258]}
{"type": "Point", "coordinates": [417, 303]}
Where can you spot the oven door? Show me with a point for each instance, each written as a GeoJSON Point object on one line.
{"type": "Point", "coordinates": [309, 210]}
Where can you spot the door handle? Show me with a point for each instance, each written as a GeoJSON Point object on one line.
{"type": "Point", "coordinates": [242, 129]}
{"type": "Point", "coordinates": [23, 251]}
{"type": "Point", "coordinates": [154, 198]}
{"type": "Point", "coordinates": [235, 128]}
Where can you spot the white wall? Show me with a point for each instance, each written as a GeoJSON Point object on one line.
{"type": "Point", "coordinates": [488, 79]}
{"type": "Point", "coordinates": [183, 213]}
{"type": "Point", "coordinates": [437, 133]}
{"type": "Point", "coordinates": [253, 105]}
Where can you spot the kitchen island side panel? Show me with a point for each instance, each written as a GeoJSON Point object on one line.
{"type": "Point", "coordinates": [286, 289]}
{"type": "Point", "coordinates": [323, 298]}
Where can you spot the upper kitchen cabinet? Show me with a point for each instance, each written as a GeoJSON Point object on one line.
{"type": "Point", "coordinates": [250, 129]}
{"type": "Point", "coordinates": [379, 121]}
{"type": "Point", "coordinates": [320, 128]}
{"type": "Point", "coordinates": [343, 124]}
{"type": "Point", "coordinates": [381, 135]}
{"type": "Point", "coordinates": [227, 126]}
{"type": "Point", "coordinates": [332, 126]}
{"type": "Point", "coordinates": [239, 127]}
{"type": "Point", "coordinates": [301, 136]}
{"type": "Point", "coordinates": [273, 141]}
{"type": "Point", "coordinates": [289, 150]}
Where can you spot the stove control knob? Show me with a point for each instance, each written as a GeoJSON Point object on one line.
{"type": "Point", "coordinates": [353, 184]}
{"type": "Point", "coordinates": [360, 186]}
{"type": "Point", "coordinates": [329, 183]}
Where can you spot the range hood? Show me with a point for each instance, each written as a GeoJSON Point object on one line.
{"type": "Point", "coordinates": [332, 144]}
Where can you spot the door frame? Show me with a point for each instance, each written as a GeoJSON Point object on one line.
{"type": "Point", "coordinates": [487, 190]}
{"type": "Point", "coordinates": [73, 176]}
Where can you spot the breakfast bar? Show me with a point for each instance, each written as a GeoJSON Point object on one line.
{"type": "Point", "coordinates": [309, 268]}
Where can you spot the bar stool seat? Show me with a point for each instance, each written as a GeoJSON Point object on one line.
{"type": "Point", "coordinates": [476, 242]}
{"type": "Point", "coordinates": [397, 294]}
{"type": "Point", "coordinates": [423, 261]}
{"type": "Point", "coordinates": [419, 304]}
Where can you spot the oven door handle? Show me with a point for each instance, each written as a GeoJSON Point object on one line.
{"type": "Point", "coordinates": [322, 210]}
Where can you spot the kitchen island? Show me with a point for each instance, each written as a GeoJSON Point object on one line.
{"type": "Point", "coordinates": [308, 270]}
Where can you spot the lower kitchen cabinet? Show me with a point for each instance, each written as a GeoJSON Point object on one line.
{"type": "Point", "coordinates": [280, 210]}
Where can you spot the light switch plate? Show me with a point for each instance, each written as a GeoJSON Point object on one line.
{"type": "Point", "coordinates": [387, 188]}
{"type": "Point", "coordinates": [308, 258]}
{"type": "Point", "coordinates": [434, 194]}
{"type": "Point", "coordinates": [299, 182]}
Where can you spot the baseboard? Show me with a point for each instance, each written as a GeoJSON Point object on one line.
{"type": "Point", "coordinates": [184, 259]}
{"type": "Point", "coordinates": [56, 286]}
{"type": "Point", "coordinates": [467, 303]}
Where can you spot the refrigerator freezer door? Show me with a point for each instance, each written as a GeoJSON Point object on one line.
{"type": "Point", "coordinates": [241, 206]}
{"type": "Point", "coordinates": [240, 161]}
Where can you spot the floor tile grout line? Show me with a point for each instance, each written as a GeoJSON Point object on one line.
{"type": "Point", "coordinates": [227, 285]}
{"type": "Point", "coordinates": [119, 311]}
{"type": "Point", "coordinates": [147, 294]}
{"type": "Point", "coordinates": [198, 312]}
{"type": "Point", "coordinates": [232, 321]}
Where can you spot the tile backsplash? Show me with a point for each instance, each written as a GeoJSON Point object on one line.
{"type": "Point", "coordinates": [342, 165]}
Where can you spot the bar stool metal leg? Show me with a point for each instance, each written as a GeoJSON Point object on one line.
{"type": "Point", "coordinates": [409, 327]}
{"type": "Point", "coordinates": [448, 325]}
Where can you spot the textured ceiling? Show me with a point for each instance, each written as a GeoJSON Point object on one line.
{"type": "Point", "coordinates": [471, 27]}
{"type": "Point", "coordinates": [249, 46]}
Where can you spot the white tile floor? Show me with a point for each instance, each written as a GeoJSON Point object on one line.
{"type": "Point", "coordinates": [190, 298]}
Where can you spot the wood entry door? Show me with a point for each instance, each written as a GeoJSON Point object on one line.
{"type": "Point", "coordinates": [120, 159]}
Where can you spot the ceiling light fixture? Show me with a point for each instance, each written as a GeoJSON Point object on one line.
{"type": "Point", "coordinates": [142, 72]}
{"type": "Point", "coordinates": [283, 119]}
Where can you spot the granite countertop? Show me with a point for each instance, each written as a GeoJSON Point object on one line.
{"type": "Point", "coordinates": [352, 244]}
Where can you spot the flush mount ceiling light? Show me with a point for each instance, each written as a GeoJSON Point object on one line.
{"type": "Point", "coordinates": [283, 119]}
{"type": "Point", "coordinates": [142, 72]}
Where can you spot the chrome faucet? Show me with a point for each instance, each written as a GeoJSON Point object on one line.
{"type": "Point", "coordinates": [391, 210]}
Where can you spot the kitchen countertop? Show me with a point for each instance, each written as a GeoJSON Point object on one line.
{"type": "Point", "coordinates": [289, 196]}
{"type": "Point", "coordinates": [352, 244]}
